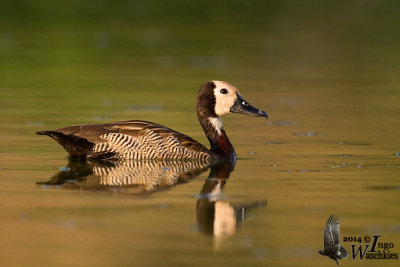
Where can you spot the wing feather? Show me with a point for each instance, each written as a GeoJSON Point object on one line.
{"type": "Point", "coordinates": [332, 232]}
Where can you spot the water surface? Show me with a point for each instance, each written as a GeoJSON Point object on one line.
{"type": "Point", "coordinates": [327, 74]}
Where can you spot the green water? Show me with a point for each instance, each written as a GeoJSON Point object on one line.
{"type": "Point", "coordinates": [326, 72]}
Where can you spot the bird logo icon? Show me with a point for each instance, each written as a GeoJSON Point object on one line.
{"type": "Point", "coordinates": [332, 247]}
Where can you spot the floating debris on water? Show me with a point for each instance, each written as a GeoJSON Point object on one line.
{"type": "Point", "coordinates": [34, 123]}
{"type": "Point", "coordinates": [309, 134]}
{"type": "Point", "coordinates": [163, 206]}
{"type": "Point", "coordinates": [348, 164]}
{"type": "Point", "coordinates": [101, 40]}
{"type": "Point", "coordinates": [152, 108]}
{"type": "Point", "coordinates": [345, 164]}
{"type": "Point", "coordinates": [302, 170]}
{"type": "Point", "coordinates": [342, 165]}
{"type": "Point", "coordinates": [107, 102]}
{"type": "Point", "coordinates": [273, 143]}
{"type": "Point", "coordinates": [292, 101]}
{"type": "Point", "coordinates": [64, 169]}
{"type": "Point", "coordinates": [202, 62]}
{"type": "Point", "coordinates": [337, 166]}
{"type": "Point", "coordinates": [246, 241]}
{"type": "Point", "coordinates": [251, 153]}
{"type": "Point", "coordinates": [194, 227]}
{"type": "Point", "coordinates": [281, 123]}
{"type": "Point", "coordinates": [342, 155]}
{"type": "Point", "coordinates": [166, 61]}
{"type": "Point", "coordinates": [101, 118]}
{"type": "Point", "coordinates": [66, 224]}
{"type": "Point", "coordinates": [353, 143]}
{"type": "Point", "coordinates": [268, 165]}
{"type": "Point", "coordinates": [25, 216]}
{"type": "Point", "coordinates": [398, 154]}
{"type": "Point", "coordinates": [259, 253]}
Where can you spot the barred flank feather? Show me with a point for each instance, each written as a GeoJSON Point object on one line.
{"type": "Point", "coordinates": [148, 146]}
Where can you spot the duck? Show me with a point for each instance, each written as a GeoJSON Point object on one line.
{"type": "Point", "coordinates": [143, 140]}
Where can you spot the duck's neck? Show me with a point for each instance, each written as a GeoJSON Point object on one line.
{"type": "Point", "coordinates": [219, 141]}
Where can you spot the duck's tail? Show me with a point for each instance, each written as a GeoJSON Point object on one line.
{"type": "Point", "coordinates": [76, 146]}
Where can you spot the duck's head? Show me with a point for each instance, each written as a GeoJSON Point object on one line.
{"type": "Point", "coordinates": [218, 98]}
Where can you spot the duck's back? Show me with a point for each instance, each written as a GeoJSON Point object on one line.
{"type": "Point", "coordinates": [135, 139]}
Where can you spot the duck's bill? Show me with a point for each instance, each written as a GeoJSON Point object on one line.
{"type": "Point", "coordinates": [243, 107]}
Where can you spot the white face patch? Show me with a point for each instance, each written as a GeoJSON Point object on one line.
{"type": "Point", "coordinates": [216, 124]}
{"type": "Point", "coordinates": [225, 97]}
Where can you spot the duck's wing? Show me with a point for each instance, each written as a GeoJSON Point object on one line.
{"type": "Point", "coordinates": [134, 139]}
{"type": "Point", "coordinates": [332, 233]}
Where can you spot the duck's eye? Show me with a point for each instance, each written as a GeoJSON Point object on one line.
{"type": "Point", "coordinates": [223, 91]}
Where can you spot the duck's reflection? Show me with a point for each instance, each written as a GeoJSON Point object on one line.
{"type": "Point", "coordinates": [132, 177]}
{"type": "Point", "coordinates": [216, 216]}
